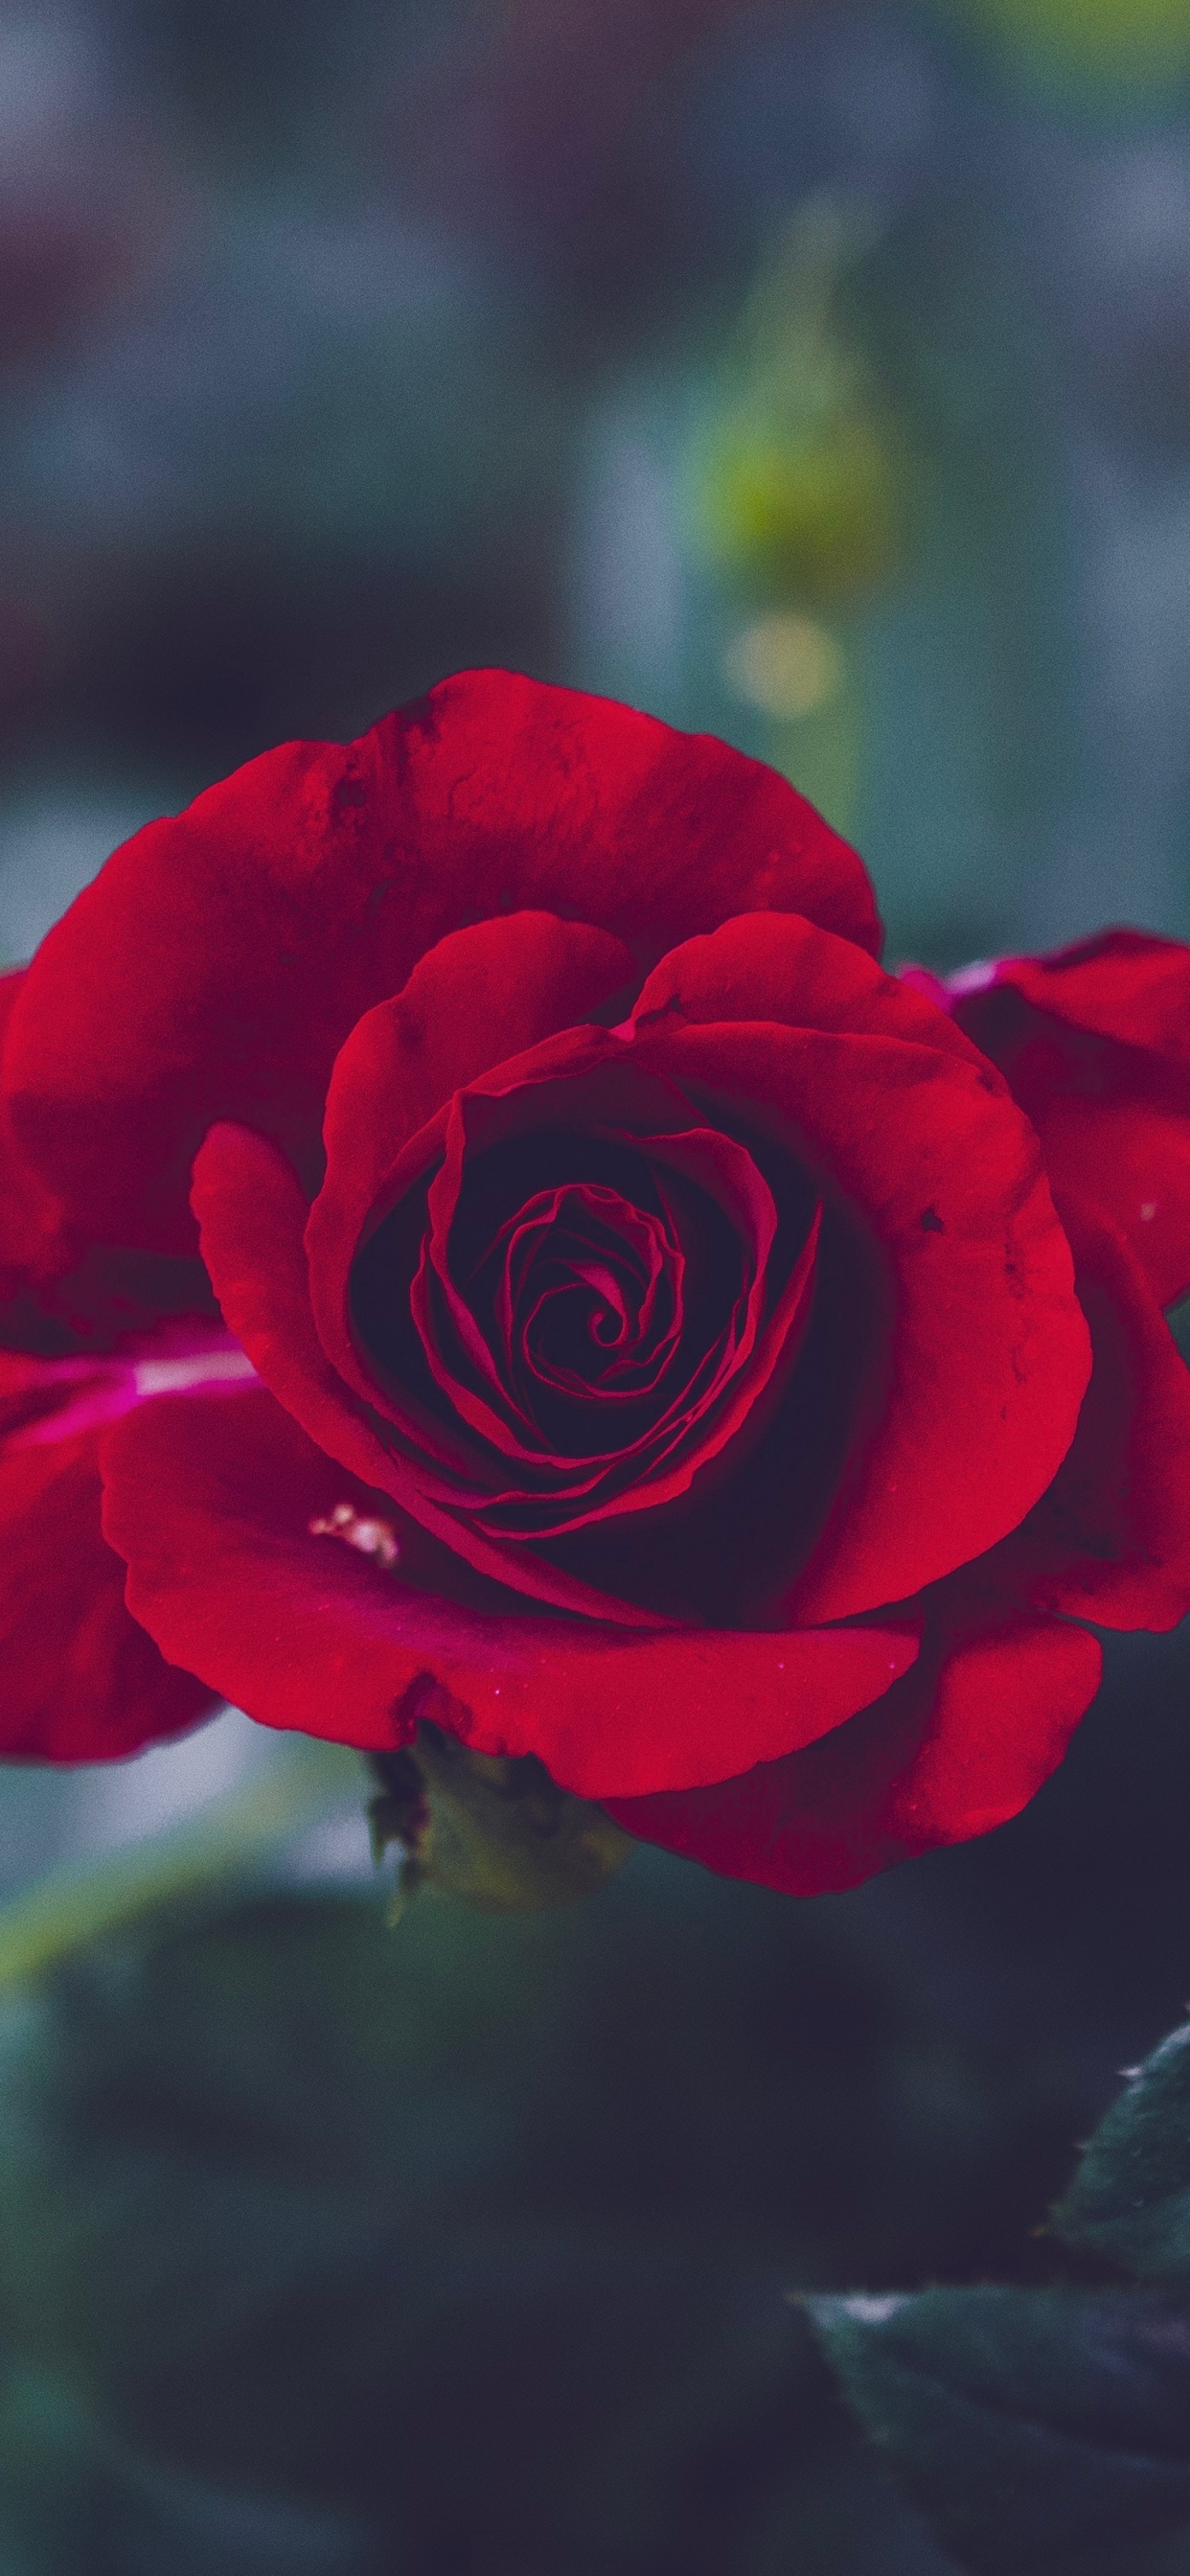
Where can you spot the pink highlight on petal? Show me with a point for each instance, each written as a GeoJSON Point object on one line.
{"type": "Point", "coordinates": [921, 980]}
{"type": "Point", "coordinates": [76, 1396]}
{"type": "Point", "coordinates": [976, 978]}
{"type": "Point", "coordinates": [945, 990]}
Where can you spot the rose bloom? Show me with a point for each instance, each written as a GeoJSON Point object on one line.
{"type": "Point", "coordinates": [485, 1241]}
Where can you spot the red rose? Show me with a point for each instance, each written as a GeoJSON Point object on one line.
{"type": "Point", "coordinates": [667, 1353]}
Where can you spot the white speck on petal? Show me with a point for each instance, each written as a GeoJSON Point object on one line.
{"type": "Point", "coordinates": [1148, 1210]}
{"type": "Point", "coordinates": [370, 1537]}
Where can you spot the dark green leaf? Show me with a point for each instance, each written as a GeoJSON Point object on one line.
{"type": "Point", "coordinates": [1042, 2431]}
{"type": "Point", "coordinates": [1130, 2198]}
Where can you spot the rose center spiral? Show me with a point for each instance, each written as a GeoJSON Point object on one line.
{"type": "Point", "coordinates": [585, 1292]}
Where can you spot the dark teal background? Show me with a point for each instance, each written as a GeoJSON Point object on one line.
{"type": "Point", "coordinates": [341, 347]}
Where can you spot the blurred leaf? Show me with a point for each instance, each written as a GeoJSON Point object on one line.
{"type": "Point", "coordinates": [475, 2235]}
{"type": "Point", "coordinates": [1117, 42]}
{"type": "Point", "coordinates": [1130, 2197]}
{"type": "Point", "coordinates": [72, 2498]}
{"type": "Point", "coordinates": [82, 1900]}
{"type": "Point", "coordinates": [49, 2490]}
{"type": "Point", "coordinates": [1042, 2431]}
{"type": "Point", "coordinates": [247, 2158]}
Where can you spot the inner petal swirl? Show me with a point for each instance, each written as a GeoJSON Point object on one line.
{"type": "Point", "coordinates": [588, 1294]}
{"type": "Point", "coordinates": [586, 1312]}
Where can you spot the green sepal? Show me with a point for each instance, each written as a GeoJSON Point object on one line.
{"type": "Point", "coordinates": [1042, 2432]}
{"type": "Point", "coordinates": [495, 1831]}
{"type": "Point", "coordinates": [1130, 2198]}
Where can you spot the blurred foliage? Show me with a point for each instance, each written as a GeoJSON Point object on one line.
{"type": "Point", "coordinates": [76, 1902]}
{"type": "Point", "coordinates": [1049, 2430]}
{"type": "Point", "coordinates": [808, 515]}
{"type": "Point", "coordinates": [326, 2246]}
{"type": "Point", "coordinates": [797, 482]}
{"type": "Point", "coordinates": [318, 332]}
{"type": "Point", "coordinates": [475, 2248]}
{"type": "Point", "coordinates": [1130, 41]}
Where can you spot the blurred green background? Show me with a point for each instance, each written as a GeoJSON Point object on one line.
{"type": "Point", "coordinates": [818, 374]}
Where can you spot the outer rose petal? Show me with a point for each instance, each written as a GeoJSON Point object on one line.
{"type": "Point", "coordinates": [10, 985]}
{"type": "Point", "coordinates": [1095, 1044]}
{"type": "Point", "coordinates": [787, 970]}
{"type": "Point", "coordinates": [31, 1239]}
{"type": "Point", "coordinates": [989, 1354]}
{"type": "Point", "coordinates": [1110, 1541]}
{"type": "Point", "coordinates": [220, 959]}
{"type": "Point", "coordinates": [1122, 984]}
{"type": "Point", "coordinates": [957, 1747]}
{"type": "Point", "coordinates": [56, 1297]}
{"type": "Point", "coordinates": [79, 1680]}
{"type": "Point", "coordinates": [212, 1507]}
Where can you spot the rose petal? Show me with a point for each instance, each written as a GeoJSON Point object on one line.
{"type": "Point", "coordinates": [727, 1175]}
{"type": "Point", "coordinates": [1110, 1541]}
{"type": "Point", "coordinates": [957, 1747]}
{"type": "Point", "coordinates": [756, 967]}
{"type": "Point", "coordinates": [505, 1102]}
{"type": "Point", "coordinates": [480, 996]}
{"type": "Point", "coordinates": [33, 1245]}
{"type": "Point", "coordinates": [1122, 984]}
{"type": "Point", "coordinates": [582, 1081]}
{"type": "Point", "coordinates": [221, 958]}
{"type": "Point", "coordinates": [987, 1353]}
{"type": "Point", "coordinates": [623, 1265]}
{"type": "Point", "coordinates": [1095, 1044]}
{"type": "Point", "coordinates": [81, 1681]}
{"type": "Point", "coordinates": [212, 1505]}
{"type": "Point", "coordinates": [253, 1216]}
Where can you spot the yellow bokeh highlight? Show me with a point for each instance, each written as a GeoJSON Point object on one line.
{"type": "Point", "coordinates": [787, 666]}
